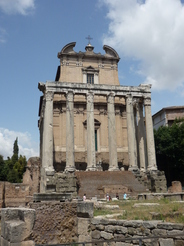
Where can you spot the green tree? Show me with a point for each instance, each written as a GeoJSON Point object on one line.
{"type": "Point", "coordinates": [169, 145]}
{"type": "Point", "coordinates": [13, 168]}
{"type": "Point", "coordinates": [2, 170]}
{"type": "Point", "coordinates": [15, 151]}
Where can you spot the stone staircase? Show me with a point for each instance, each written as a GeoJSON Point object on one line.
{"type": "Point", "coordinates": [98, 183]}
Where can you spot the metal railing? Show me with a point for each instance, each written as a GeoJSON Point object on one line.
{"type": "Point", "coordinates": [139, 240]}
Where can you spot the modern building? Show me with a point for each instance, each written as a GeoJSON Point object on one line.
{"type": "Point", "coordinates": [88, 121]}
{"type": "Point", "coordinates": [166, 116]}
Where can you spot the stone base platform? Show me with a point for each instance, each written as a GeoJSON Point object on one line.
{"type": "Point", "coordinates": [158, 196]}
{"type": "Point", "coordinates": [38, 197]}
{"type": "Point", "coordinates": [98, 183]}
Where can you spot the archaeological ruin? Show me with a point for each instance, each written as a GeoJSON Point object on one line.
{"type": "Point", "coordinates": [89, 122]}
{"type": "Point", "coordinates": [96, 137]}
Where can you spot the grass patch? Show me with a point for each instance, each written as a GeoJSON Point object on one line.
{"type": "Point", "coordinates": [166, 210]}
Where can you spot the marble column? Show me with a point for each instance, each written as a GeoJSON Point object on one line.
{"type": "Point", "coordinates": [91, 155]}
{"type": "Point", "coordinates": [141, 136]}
{"type": "Point", "coordinates": [149, 135]}
{"type": "Point", "coordinates": [70, 159]}
{"type": "Point", "coordinates": [113, 162]}
{"type": "Point", "coordinates": [47, 151]}
{"type": "Point", "coordinates": [132, 145]}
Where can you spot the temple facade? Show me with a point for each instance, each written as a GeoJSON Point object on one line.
{"type": "Point", "coordinates": [88, 121]}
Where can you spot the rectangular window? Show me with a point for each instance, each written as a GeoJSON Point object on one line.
{"type": "Point", "coordinates": [90, 78]}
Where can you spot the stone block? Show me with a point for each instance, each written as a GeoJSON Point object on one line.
{"type": "Point", "coordinates": [166, 242]}
{"type": "Point", "coordinates": [96, 234]}
{"type": "Point", "coordinates": [4, 242]}
{"type": "Point", "coordinates": [85, 209]}
{"type": "Point", "coordinates": [176, 187]}
{"type": "Point", "coordinates": [106, 235]}
{"type": "Point", "coordinates": [16, 224]}
{"type": "Point", "coordinates": [83, 226]}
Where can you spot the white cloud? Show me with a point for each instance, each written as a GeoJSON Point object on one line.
{"type": "Point", "coordinates": [26, 146]}
{"type": "Point", "coordinates": [17, 6]}
{"type": "Point", "coordinates": [151, 32]}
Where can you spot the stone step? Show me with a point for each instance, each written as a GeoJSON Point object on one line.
{"type": "Point", "coordinates": [94, 183]}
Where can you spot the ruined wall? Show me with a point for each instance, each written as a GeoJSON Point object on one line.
{"type": "Point", "coordinates": [56, 222]}
{"type": "Point", "coordinates": [32, 175]}
{"type": "Point", "coordinates": [16, 226]}
{"type": "Point", "coordinates": [101, 229]}
{"type": "Point", "coordinates": [20, 194]}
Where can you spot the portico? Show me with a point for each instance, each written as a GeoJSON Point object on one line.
{"type": "Point", "coordinates": [87, 126]}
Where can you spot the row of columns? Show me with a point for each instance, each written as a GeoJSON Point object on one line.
{"type": "Point", "coordinates": [135, 128]}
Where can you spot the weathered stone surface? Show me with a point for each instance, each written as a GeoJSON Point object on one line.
{"type": "Point", "coordinates": [133, 223]}
{"type": "Point", "coordinates": [166, 242]}
{"type": "Point", "coordinates": [179, 242]}
{"type": "Point", "coordinates": [109, 228]}
{"type": "Point", "coordinates": [4, 242]}
{"type": "Point", "coordinates": [100, 227]}
{"type": "Point", "coordinates": [132, 231]}
{"type": "Point", "coordinates": [175, 232]}
{"type": "Point", "coordinates": [137, 205]}
{"type": "Point", "coordinates": [123, 244]}
{"type": "Point", "coordinates": [56, 222]}
{"type": "Point", "coordinates": [106, 235]}
{"type": "Point", "coordinates": [176, 187]}
{"type": "Point", "coordinates": [166, 226]}
{"type": "Point", "coordinates": [31, 176]}
{"type": "Point", "coordinates": [85, 209]}
{"type": "Point", "coordinates": [150, 224]}
{"type": "Point", "coordinates": [83, 238]}
{"type": "Point", "coordinates": [96, 234]}
{"type": "Point", "coordinates": [17, 224]}
{"type": "Point", "coordinates": [159, 232]}
{"type": "Point", "coordinates": [83, 226]}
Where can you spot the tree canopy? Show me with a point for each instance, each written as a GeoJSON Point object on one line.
{"type": "Point", "coordinates": [169, 145]}
{"type": "Point", "coordinates": [12, 169]}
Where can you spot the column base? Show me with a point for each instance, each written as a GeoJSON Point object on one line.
{"type": "Point", "coordinates": [91, 169]}
{"type": "Point", "coordinates": [133, 169]}
{"type": "Point", "coordinates": [49, 171]}
{"type": "Point", "coordinates": [152, 168]}
{"type": "Point", "coordinates": [70, 169]}
{"type": "Point", "coordinates": [142, 170]}
{"type": "Point", "coordinates": [113, 169]}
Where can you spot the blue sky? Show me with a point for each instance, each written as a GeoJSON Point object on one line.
{"type": "Point", "coordinates": [148, 36]}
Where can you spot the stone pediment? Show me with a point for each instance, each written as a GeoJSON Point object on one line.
{"type": "Point", "coordinates": [110, 51]}
{"type": "Point", "coordinates": [67, 49]}
{"type": "Point", "coordinates": [90, 69]}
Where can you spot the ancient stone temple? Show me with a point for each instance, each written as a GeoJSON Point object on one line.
{"type": "Point", "coordinates": [88, 121]}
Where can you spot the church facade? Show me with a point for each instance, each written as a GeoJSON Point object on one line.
{"type": "Point", "coordinates": [88, 121]}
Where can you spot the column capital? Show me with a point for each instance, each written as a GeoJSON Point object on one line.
{"type": "Point", "coordinates": [49, 95]}
{"type": "Point", "coordinates": [90, 97]}
{"type": "Point", "coordinates": [147, 101]}
{"type": "Point", "coordinates": [110, 97]}
{"type": "Point", "coordinates": [70, 96]}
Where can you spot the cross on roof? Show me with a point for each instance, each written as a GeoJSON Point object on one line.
{"type": "Point", "coordinates": [89, 38]}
